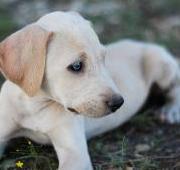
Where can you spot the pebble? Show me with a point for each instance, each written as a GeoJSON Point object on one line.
{"type": "Point", "coordinates": [142, 148]}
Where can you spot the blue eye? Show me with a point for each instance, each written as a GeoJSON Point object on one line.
{"type": "Point", "coordinates": [76, 66]}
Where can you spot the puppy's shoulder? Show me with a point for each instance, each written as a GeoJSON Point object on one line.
{"type": "Point", "coordinates": [11, 91]}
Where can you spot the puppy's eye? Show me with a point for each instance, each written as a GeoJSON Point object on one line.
{"type": "Point", "coordinates": [76, 66]}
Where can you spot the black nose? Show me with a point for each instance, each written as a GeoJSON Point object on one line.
{"type": "Point", "coordinates": [115, 102]}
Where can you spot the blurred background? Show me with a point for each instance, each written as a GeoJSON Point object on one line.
{"type": "Point", "coordinates": [150, 20]}
{"type": "Point", "coordinates": [143, 143]}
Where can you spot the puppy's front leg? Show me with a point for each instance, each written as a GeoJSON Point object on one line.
{"type": "Point", "coordinates": [69, 141]}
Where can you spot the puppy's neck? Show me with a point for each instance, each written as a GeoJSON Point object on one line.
{"type": "Point", "coordinates": [45, 101]}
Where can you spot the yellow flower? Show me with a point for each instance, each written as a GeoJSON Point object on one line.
{"type": "Point", "coordinates": [19, 164]}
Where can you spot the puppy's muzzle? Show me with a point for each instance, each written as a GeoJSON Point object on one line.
{"type": "Point", "coordinates": [110, 105]}
{"type": "Point", "coordinates": [115, 102]}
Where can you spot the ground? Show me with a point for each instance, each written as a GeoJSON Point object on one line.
{"type": "Point", "coordinates": [143, 143]}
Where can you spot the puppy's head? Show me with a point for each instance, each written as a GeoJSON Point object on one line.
{"type": "Point", "coordinates": [61, 55]}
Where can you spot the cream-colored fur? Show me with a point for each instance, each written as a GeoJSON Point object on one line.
{"type": "Point", "coordinates": [126, 68]}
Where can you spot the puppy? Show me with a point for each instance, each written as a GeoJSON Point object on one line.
{"type": "Point", "coordinates": [62, 84]}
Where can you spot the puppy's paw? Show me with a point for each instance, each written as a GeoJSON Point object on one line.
{"type": "Point", "coordinates": [170, 113]}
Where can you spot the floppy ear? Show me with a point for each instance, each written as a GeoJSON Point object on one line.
{"type": "Point", "coordinates": [23, 55]}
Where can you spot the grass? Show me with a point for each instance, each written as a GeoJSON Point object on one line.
{"type": "Point", "coordinates": [7, 25]}
{"type": "Point", "coordinates": [116, 150]}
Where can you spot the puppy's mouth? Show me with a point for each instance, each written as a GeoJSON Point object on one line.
{"type": "Point", "coordinates": [73, 110]}
{"type": "Point", "coordinates": [89, 115]}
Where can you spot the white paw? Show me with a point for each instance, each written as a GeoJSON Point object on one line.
{"type": "Point", "coordinates": [170, 113]}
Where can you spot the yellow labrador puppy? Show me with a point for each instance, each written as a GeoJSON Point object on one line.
{"type": "Point", "coordinates": [62, 84]}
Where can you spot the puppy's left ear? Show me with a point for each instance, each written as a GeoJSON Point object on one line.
{"type": "Point", "coordinates": [23, 55]}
